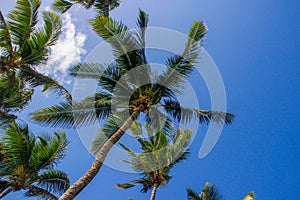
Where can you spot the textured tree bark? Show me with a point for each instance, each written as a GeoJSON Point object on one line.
{"type": "Point", "coordinates": [153, 193]}
{"type": "Point", "coordinates": [82, 182]}
{"type": "Point", "coordinates": [6, 192]}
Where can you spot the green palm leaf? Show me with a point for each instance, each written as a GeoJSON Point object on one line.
{"type": "Point", "coordinates": [17, 144]}
{"type": "Point", "coordinates": [35, 79]}
{"type": "Point", "coordinates": [54, 181]}
{"type": "Point", "coordinates": [210, 192]}
{"type": "Point", "coordinates": [88, 70]}
{"type": "Point", "coordinates": [35, 49]}
{"type": "Point", "coordinates": [62, 6]}
{"type": "Point", "coordinates": [249, 196]}
{"type": "Point", "coordinates": [111, 125]}
{"type": "Point", "coordinates": [102, 6]}
{"type": "Point", "coordinates": [26, 163]}
{"type": "Point", "coordinates": [204, 116]}
{"type": "Point", "coordinates": [67, 115]}
{"type": "Point", "coordinates": [124, 44]}
{"type": "Point", "coordinates": [180, 67]}
{"type": "Point", "coordinates": [48, 151]}
{"type": "Point", "coordinates": [192, 195]}
{"type": "Point", "coordinates": [22, 20]}
{"type": "Point", "coordinates": [125, 185]}
{"type": "Point", "coordinates": [41, 193]}
{"type": "Point", "coordinates": [5, 39]}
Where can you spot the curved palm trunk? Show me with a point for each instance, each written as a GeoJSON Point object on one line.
{"type": "Point", "coordinates": [81, 183]}
{"type": "Point", "coordinates": [6, 192]}
{"type": "Point", "coordinates": [153, 193]}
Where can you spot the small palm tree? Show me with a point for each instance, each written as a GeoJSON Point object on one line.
{"type": "Point", "coordinates": [102, 6]}
{"type": "Point", "coordinates": [160, 153]}
{"type": "Point", "coordinates": [249, 196]}
{"type": "Point", "coordinates": [209, 192]}
{"type": "Point", "coordinates": [153, 101]}
{"type": "Point", "coordinates": [24, 46]}
{"type": "Point", "coordinates": [27, 161]}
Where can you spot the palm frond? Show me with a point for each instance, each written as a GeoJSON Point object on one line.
{"type": "Point", "coordinates": [249, 196]}
{"type": "Point", "coordinates": [136, 128]}
{"type": "Point", "coordinates": [54, 181]}
{"type": "Point", "coordinates": [67, 115]}
{"type": "Point", "coordinates": [6, 119]}
{"type": "Point", "coordinates": [17, 145]}
{"type": "Point", "coordinates": [22, 20]}
{"type": "Point", "coordinates": [103, 7]}
{"type": "Point", "coordinates": [4, 185]}
{"type": "Point", "coordinates": [48, 151]}
{"type": "Point", "coordinates": [34, 78]}
{"type": "Point", "coordinates": [181, 67]}
{"type": "Point", "coordinates": [5, 38]}
{"type": "Point", "coordinates": [192, 195]}
{"type": "Point", "coordinates": [203, 116]}
{"type": "Point", "coordinates": [40, 193]}
{"type": "Point", "coordinates": [13, 98]}
{"type": "Point", "coordinates": [62, 6]}
{"type": "Point", "coordinates": [123, 42]}
{"type": "Point", "coordinates": [88, 70]}
{"type": "Point", "coordinates": [210, 192]}
{"type": "Point", "coordinates": [125, 185]}
{"type": "Point", "coordinates": [112, 124]}
{"type": "Point", "coordinates": [36, 48]}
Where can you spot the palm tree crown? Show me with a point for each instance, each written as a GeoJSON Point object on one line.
{"type": "Point", "coordinates": [27, 161]}
{"type": "Point", "coordinates": [209, 192]}
{"type": "Point", "coordinates": [23, 46]}
{"type": "Point", "coordinates": [160, 153]}
{"type": "Point", "coordinates": [154, 101]}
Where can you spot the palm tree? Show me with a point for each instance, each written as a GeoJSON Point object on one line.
{"type": "Point", "coordinates": [102, 6]}
{"type": "Point", "coordinates": [209, 192]}
{"type": "Point", "coordinates": [249, 196]}
{"type": "Point", "coordinates": [146, 99]}
{"type": "Point", "coordinates": [160, 153]}
{"type": "Point", "coordinates": [27, 161]}
{"type": "Point", "coordinates": [24, 46]}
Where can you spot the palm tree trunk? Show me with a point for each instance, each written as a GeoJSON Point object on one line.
{"type": "Point", "coordinates": [6, 192]}
{"type": "Point", "coordinates": [153, 193]}
{"type": "Point", "coordinates": [82, 182]}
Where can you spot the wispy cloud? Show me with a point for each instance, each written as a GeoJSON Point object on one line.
{"type": "Point", "coordinates": [67, 52]}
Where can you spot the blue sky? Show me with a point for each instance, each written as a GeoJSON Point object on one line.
{"type": "Point", "coordinates": [255, 45]}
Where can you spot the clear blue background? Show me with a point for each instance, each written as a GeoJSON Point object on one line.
{"type": "Point", "coordinates": [256, 46]}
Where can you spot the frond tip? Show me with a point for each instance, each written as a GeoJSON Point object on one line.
{"type": "Point", "coordinates": [250, 196]}
{"type": "Point", "coordinates": [125, 185]}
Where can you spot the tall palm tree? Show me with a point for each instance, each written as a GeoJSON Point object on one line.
{"type": "Point", "coordinates": [27, 161]}
{"type": "Point", "coordinates": [209, 192]}
{"type": "Point", "coordinates": [160, 153]}
{"type": "Point", "coordinates": [102, 6]}
{"type": "Point", "coordinates": [147, 100]}
{"type": "Point", "coordinates": [23, 46]}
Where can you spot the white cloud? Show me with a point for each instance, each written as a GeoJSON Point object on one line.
{"type": "Point", "coordinates": [67, 51]}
